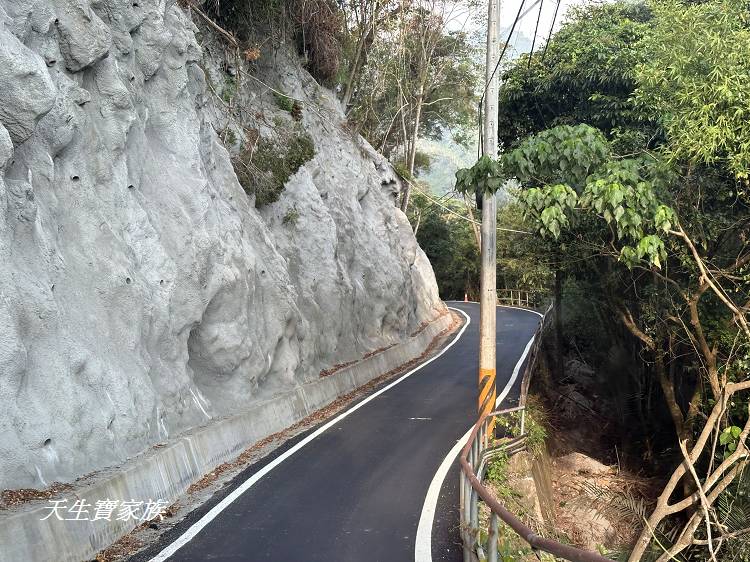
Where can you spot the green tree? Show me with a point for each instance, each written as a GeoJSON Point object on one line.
{"type": "Point", "coordinates": [631, 148]}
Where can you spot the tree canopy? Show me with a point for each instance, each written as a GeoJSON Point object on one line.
{"type": "Point", "coordinates": [629, 136]}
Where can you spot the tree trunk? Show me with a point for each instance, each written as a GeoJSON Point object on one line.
{"type": "Point", "coordinates": [415, 129]}
{"type": "Point", "coordinates": [354, 70]}
{"type": "Point", "coordinates": [413, 146]}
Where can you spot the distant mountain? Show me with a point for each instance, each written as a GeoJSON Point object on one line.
{"type": "Point", "coordinates": [446, 155]}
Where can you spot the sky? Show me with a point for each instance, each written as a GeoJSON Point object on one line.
{"type": "Point", "coordinates": [475, 20]}
{"type": "Point", "coordinates": [447, 156]}
{"type": "Point", "coordinates": [509, 9]}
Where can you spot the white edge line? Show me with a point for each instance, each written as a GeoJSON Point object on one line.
{"type": "Point", "coordinates": [505, 306]}
{"type": "Point", "coordinates": [423, 544]}
{"type": "Point", "coordinates": [198, 526]}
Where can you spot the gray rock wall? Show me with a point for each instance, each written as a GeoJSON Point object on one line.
{"type": "Point", "coordinates": [141, 291]}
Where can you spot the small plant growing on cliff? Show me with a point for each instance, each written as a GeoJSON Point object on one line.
{"type": "Point", "coordinates": [291, 217]}
{"type": "Point", "coordinates": [265, 171]}
{"type": "Point", "coordinates": [285, 103]}
{"type": "Point", "coordinates": [230, 138]}
{"type": "Point", "coordinates": [230, 89]}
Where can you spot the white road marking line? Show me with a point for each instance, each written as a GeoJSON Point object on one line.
{"type": "Point", "coordinates": [423, 544]}
{"type": "Point", "coordinates": [514, 376]}
{"type": "Point", "coordinates": [198, 526]}
{"type": "Point", "coordinates": [505, 306]}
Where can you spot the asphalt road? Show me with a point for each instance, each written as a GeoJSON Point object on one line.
{"type": "Point", "coordinates": [355, 492]}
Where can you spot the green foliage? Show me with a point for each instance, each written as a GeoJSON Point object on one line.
{"type": "Point", "coordinates": [549, 207]}
{"type": "Point", "coordinates": [536, 436]}
{"type": "Point", "coordinates": [587, 76]}
{"type": "Point", "coordinates": [448, 241]}
{"type": "Point", "coordinates": [229, 90]}
{"type": "Point", "coordinates": [263, 172]}
{"type": "Point", "coordinates": [230, 138]}
{"type": "Point", "coordinates": [518, 255]}
{"type": "Point", "coordinates": [284, 103]}
{"type": "Point", "coordinates": [416, 60]}
{"type": "Point", "coordinates": [621, 192]}
{"type": "Point", "coordinates": [696, 81]}
{"type": "Point", "coordinates": [421, 163]}
{"type": "Point", "coordinates": [535, 430]}
{"type": "Point", "coordinates": [633, 215]}
{"type": "Point", "coordinates": [483, 177]}
{"type": "Point", "coordinates": [291, 217]}
{"type": "Point", "coordinates": [729, 438]}
{"type": "Point", "coordinates": [497, 470]}
{"type": "Point", "coordinates": [561, 155]}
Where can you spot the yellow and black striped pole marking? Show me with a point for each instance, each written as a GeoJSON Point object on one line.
{"type": "Point", "coordinates": [487, 397]}
{"type": "Point", "coordinates": [487, 391]}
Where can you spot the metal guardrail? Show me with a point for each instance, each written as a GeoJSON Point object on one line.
{"type": "Point", "coordinates": [474, 460]}
{"type": "Point", "coordinates": [519, 297]}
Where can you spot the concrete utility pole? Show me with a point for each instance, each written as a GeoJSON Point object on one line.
{"type": "Point", "coordinates": [488, 291]}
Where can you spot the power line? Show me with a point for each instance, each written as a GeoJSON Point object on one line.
{"type": "Point", "coordinates": [494, 71]}
{"type": "Point", "coordinates": [529, 9]}
{"type": "Point", "coordinates": [520, 15]}
{"type": "Point", "coordinates": [536, 30]}
{"type": "Point", "coordinates": [551, 29]}
{"type": "Point", "coordinates": [505, 48]}
{"type": "Point", "coordinates": [452, 212]}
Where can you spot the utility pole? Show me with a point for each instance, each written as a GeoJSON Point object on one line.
{"type": "Point", "coordinates": [488, 290]}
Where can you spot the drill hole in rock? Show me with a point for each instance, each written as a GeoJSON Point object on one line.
{"type": "Point", "coordinates": [74, 178]}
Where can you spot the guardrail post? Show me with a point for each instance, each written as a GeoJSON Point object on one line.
{"type": "Point", "coordinates": [523, 421]}
{"type": "Point", "coordinates": [474, 510]}
{"type": "Point", "coordinates": [467, 502]}
{"type": "Point", "coordinates": [493, 536]}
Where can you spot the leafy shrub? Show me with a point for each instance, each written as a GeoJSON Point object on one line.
{"type": "Point", "coordinates": [497, 469]}
{"type": "Point", "coordinates": [229, 90]}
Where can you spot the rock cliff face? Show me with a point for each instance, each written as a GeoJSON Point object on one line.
{"type": "Point", "coordinates": [141, 291]}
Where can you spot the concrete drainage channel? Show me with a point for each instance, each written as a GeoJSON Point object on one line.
{"type": "Point", "coordinates": [29, 533]}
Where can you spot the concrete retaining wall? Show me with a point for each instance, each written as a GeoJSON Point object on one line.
{"type": "Point", "coordinates": [166, 472]}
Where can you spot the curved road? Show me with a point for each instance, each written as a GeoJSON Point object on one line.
{"type": "Point", "coordinates": [354, 488]}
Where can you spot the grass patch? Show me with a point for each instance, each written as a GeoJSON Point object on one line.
{"type": "Point", "coordinates": [291, 217]}
{"type": "Point", "coordinates": [285, 103]}
{"type": "Point", "coordinates": [290, 105]}
{"type": "Point", "coordinates": [265, 171]}
{"type": "Point", "coordinates": [229, 90]}
{"type": "Point", "coordinates": [535, 426]}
